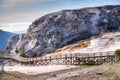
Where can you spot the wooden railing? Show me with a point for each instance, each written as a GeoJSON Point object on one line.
{"type": "Point", "coordinates": [71, 59]}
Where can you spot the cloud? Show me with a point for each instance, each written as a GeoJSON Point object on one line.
{"type": "Point", "coordinates": [29, 10]}
{"type": "Point", "coordinates": [12, 3]}
{"type": "Point", "coordinates": [25, 16]}
{"type": "Point", "coordinates": [11, 10]}
{"type": "Point", "coordinates": [14, 27]}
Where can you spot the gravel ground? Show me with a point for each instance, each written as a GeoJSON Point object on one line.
{"type": "Point", "coordinates": [102, 72]}
{"type": "Point", "coordinates": [33, 70]}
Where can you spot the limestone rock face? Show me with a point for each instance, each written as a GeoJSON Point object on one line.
{"type": "Point", "coordinates": [65, 27]}
{"type": "Point", "coordinates": [114, 20]}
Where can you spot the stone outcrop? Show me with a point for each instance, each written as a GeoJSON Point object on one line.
{"type": "Point", "coordinates": [58, 29]}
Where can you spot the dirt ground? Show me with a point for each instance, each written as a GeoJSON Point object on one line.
{"type": "Point", "coordinates": [83, 72]}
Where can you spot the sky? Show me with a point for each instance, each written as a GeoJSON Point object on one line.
{"type": "Point", "coordinates": [18, 11]}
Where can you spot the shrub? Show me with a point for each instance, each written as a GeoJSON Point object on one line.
{"type": "Point", "coordinates": [16, 50]}
{"type": "Point", "coordinates": [9, 53]}
{"type": "Point", "coordinates": [117, 53]}
{"type": "Point", "coordinates": [22, 53]}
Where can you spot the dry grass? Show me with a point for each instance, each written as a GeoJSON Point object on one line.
{"type": "Point", "coordinates": [102, 72]}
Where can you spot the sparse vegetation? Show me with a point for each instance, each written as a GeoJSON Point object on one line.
{"type": "Point", "coordinates": [22, 53]}
{"type": "Point", "coordinates": [16, 50]}
{"type": "Point", "coordinates": [83, 72]}
{"type": "Point", "coordinates": [117, 53]}
{"type": "Point", "coordinates": [44, 76]}
{"type": "Point", "coordinates": [12, 76]}
{"type": "Point", "coordinates": [9, 53]}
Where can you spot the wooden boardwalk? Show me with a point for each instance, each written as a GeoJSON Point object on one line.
{"type": "Point", "coordinates": [66, 59]}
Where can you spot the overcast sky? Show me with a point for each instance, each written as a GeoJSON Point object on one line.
{"type": "Point", "coordinates": [29, 10]}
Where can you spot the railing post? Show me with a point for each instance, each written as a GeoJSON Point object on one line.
{"type": "Point", "coordinates": [71, 59]}
{"type": "Point", "coordinates": [36, 60]}
{"type": "Point", "coordinates": [101, 58]}
{"type": "Point", "coordinates": [65, 59]}
{"type": "Point", "coordinates": [76, 56]}
{"type": "Point", "coordinates": [107, 57]}
{"type": "Point", "coordinates": [61, 61]}
{"type": "Point", "coordinates": [29, 61]}
{"type": "Point", "coordinates": [45, 61]}
{"type": "Point", "coordinates": [79, 58]}
{"type": "Point", "coordinates": [50, 59]}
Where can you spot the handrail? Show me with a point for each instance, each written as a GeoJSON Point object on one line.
{"type": "Point", "coordinates": [60, 56]}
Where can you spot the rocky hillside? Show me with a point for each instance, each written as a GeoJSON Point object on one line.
{"type": "Point", "coordinates": [4, 36]}
{"type": "Point", "coordinates": [62, 28]}
{"type": "Point", "coordinates": [103, 43]}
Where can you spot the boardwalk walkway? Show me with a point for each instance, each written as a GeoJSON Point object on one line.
{"type": "Point", "coordinates": [66, 59]}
